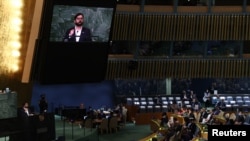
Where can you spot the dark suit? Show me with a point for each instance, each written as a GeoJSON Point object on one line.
{"type": "Point", "coordinates": [84, 36]}
{"type": "Point", "coordinates": [26, 125]}
{"type": "Point", "coordinates": [221, 105]}
{"type": "Point", "coordinates": [203, 115]}
{"type": "Point", "coordinates": [22, 114]}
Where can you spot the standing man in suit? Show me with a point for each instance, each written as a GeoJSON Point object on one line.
{"type": "Point", "coordinates": [43, 104]}
{"type": "Point", "coordinates": [25, 111]}
{"type": "Point", "coordinates": [24, 114]}
{"type": "Point", "coordinates": [78, 33]}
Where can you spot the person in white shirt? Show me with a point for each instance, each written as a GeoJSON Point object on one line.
{"type": "Point", "coordinates": [207, 98]}
{"type": "Point", "coordinates": [208, 118]}
{"type": "Point", "coordinates": [25, 111]}
{"type": "Point", "coordinates": [24, 114]}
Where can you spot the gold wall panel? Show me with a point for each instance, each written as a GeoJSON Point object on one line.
{"type": "Point", "coordinates": [182, 68]}
{"type": "Point", "coordinates": [188, 27]}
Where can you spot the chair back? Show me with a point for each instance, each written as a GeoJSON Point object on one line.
{"type": "Point", "coordinates": [104, 125]}
{"type": "Point", "coordinates": [88, 123]}
{"type": "Point", "coordinates": [154, 126]}
{"type": "Point", "coordinates": [113, 124]}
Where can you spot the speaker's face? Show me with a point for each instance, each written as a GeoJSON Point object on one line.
{"type": "Point", "coordinates": [79, 20]}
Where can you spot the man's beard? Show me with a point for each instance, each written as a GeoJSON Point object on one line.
{"type": "Point", "coordinates": [79, 24]}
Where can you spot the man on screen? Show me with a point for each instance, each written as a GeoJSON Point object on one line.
{"type": "Point", "coordinates": [78, 33]}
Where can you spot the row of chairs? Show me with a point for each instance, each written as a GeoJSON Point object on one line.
{"type": "Point", "coordinates": [163, 107]}
{"type": "Point", "coordinates": [229, 100]}
{"type": "Point", "coordinates": [151, 100]}
{"type": "Point", "coordinates": [149, 104]}
{"type": "Point", "coordinates": [233, 103]}
{"type": "Point", "coordinates": [155, 108]}
{"type": "Point", "coordinates": [103, 125]}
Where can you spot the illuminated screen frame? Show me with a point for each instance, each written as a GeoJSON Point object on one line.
{"type": "Point", "coordinates": [58, 16]}
{"type": "Point", "coordinates": [73, 62]}
{"type": "Point", "coordinates": [97, 19]}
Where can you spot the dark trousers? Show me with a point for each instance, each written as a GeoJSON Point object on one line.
{"type": "Point", "coordinates": [207, 103]}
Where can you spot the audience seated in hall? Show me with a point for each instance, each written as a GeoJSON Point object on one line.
{"type": "Point", "coordinates": [194, 120]}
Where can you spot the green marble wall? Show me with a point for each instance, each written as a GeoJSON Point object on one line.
{"type": "Point", "coordinates": [8, 105]}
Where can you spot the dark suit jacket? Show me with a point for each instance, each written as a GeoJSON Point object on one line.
{"type": "Point", "coordinates": [221, 105]}
{"type": "Point", "coordinates": [22, 114]}
{"type": "Point", "coordinates": [85, 35]}
{"type": "Point", "coordinates": [203, 115]}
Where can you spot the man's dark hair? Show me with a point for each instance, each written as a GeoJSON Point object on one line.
{"type": "Point", "coordinates": [78, 14]}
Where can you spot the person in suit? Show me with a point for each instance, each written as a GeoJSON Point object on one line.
{"type": "Point", "coordinates": [24, 114]}
{"type": "Point", "coordinates": [240, 118]}
{"type": "Point", "coordinates": [43, 104]}
{"type": "Point", "coordinates": [247, 119]}
{"type": "Point", "coordinates": [203, 114]}
{"type": "Point", "coordinates": [196, 104]}
{"type": "Point", "coordinates": [192, 95]}
{"type": "Point", "coordinates": [164, 119]}
{"type": "Point", "coordinates": [25, 110]}
{"type": "Point", "coordinates": [78, 33]}
{"type": "Point", "coordinates": [221, 104]}
{"type": "Point", "coordinates": [157, 100]}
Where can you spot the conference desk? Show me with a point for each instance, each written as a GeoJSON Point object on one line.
{"type": "Point", "coordinates": [38, 127]}
{"type": "Point", "coordinates": [145, 118]}
{"type": "Point", "coordinates": [153, 135]}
